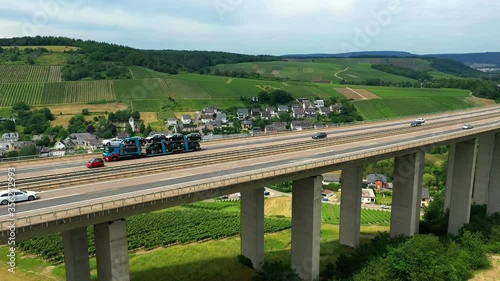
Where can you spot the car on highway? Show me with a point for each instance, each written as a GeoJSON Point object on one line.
{"type": "Point", "coordinates": [320, 135]}
{"type": "Point", "coordinates": [420, 120]}
{"type": "Point", "coordinates": [385, 207]}
{"type": "Point", "coordinates": [16, 195]}
{"type": "Point", "coordinates": [155, 137]}
{"type": "Point", "coordinates": [415, 124]}
{"type": "Point", "coordinates": [467, 126]}
{"type": "Point", "coordinates": [113, 141]}
{"type": "Point", "coordinates": [95, 162]}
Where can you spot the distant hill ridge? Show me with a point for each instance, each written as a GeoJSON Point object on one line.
{"type": "Point", "coordinates": [476, 58]}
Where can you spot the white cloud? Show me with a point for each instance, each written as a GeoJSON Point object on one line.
{"type": "Point", "coordinates": [259, 26]}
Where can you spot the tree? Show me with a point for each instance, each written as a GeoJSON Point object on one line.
{"type": "Point", "coordinates": [128, 128]}
{"type": "Point", "coordinates": [28, 150]}
{"type": "Point", "coordinates": [90, 129]}
{"type": "Point", "coordinates": [85, 112]}
{"type": "Point", "coordinates": [142, 128]}
{"type": "Point", "coordinates": [9, 125]}
{"type": "Point", "coordinates": [20, 106]}
{"type": "Point", "coordinates": [13, 153]}
{"type": "Point", "coordinates": [136, 115]}
{"type": "Point", "coordinates": [45, 141]}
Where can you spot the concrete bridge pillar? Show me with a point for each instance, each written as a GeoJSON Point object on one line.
{"type": "Point", "coordinates": [494, 186]}
{"type": "Point", "coordinates": [112, 251]}
{"type": "Point", "coordinates": [449, 175]}
{"type": "Point", "coordinates": [463, 179]}
{"type": "Point", "coordinates": [252, 225]}
{"type": "Point", "coordinates": [350, 206]}
{"type": "Point", "coordinates": [76, 254]}
{"type": "Point", "coordinates": [407, 194]}
{"type": "Point", "coordinates": [306, 226]}
{"type": "Point", "coordinates": [483, 168]}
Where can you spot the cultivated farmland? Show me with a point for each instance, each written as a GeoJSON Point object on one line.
{"type": "Point", "coordinates": [139, 72]}
{"type": "Point", "coordinates": [30, 93]}
{"type": "Point", "coordinates": [25, 73]}
{"type": "Point", "coordinates": [89, 91]}
{"type": "Point", "coordinates": [350, 69]}
{"type": "Point", "coordinates": [397, 107]}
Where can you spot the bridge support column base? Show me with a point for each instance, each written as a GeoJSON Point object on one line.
{"type": "Point", "coordinates": [76, 254]}
{"type": "Point", "coordinates": [463, 179]}
{"type": "Point", "coordinates": [494, 187]}
{"type": "Point", "coordinates": [407, 194]}
{"type": "Point", "coordinates": [112, 251]}
{"type": "Point", "coordinates": [350, 206]}
{"type": "Point", "coordinates": [306, 226]}
{"type": "Point", "coordinates": [252, 226]}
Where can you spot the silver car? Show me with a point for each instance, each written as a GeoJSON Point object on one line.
{"type": "Point", "coordinates": [16, 195]}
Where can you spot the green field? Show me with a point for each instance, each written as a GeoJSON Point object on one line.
{"type": "Point", "coordinates": [139, 72]}
{"type": "Point", "coordinates": [171, 94]}
{"type": "Point", "coordinates": [397, 107]}
{"type": "Point", "coordinates": [350, 69]}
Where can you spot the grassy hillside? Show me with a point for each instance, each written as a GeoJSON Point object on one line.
{"type": "Point", "coordinates": [168, 95]}
{"type": "Point", "coordinates": [333, 69]}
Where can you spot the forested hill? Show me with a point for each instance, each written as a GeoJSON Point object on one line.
{"type": "Point", "coordinates": [101, 55]}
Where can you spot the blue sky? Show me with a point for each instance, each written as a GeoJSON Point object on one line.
{"type": "Point", "coordinates": [272, 27]}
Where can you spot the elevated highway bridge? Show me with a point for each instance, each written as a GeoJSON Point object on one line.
{"type": "Point", "coordinates": [74, 198]}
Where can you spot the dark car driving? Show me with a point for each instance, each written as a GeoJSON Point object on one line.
{"type": "Point", "coordinates": [319, 135]}
{"type": "Point", "coordinates": [95, 162]}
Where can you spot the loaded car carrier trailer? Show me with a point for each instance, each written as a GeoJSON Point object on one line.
{"type": "Point", "coordinates": [135, 147]}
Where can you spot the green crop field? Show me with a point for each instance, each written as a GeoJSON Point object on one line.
{"type": "Point", "coordinates": [350, 69]}
{"type": "Point", "coordinates": [397, 107]}
{"type": "Point", "coordinates": [89, 91]}
{"type": "Point", "coordinates": [25, 73]}
{"type": "Point", "coordinates": [53, 93]}
{"type": "Point", "coordinates": [391, 92]}
{"type": "Point", "coordinates": [139, 72]}
{"type": "Point", "coordinates": [10, 93]}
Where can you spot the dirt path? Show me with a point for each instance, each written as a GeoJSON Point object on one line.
{"type": "Point", "coordinates": [336, 73]}
{"type": "Point", "coordinates": [360, 95]}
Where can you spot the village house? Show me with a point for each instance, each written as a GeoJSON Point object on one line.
{"type": "Point", "coordinates": [324, 111]}
{"type": "Point", "coordinates": [205, 118]}
{"type": "Point", "coordinates": [242, 113]}
{"type": "Point", "coordinates": [221, 117]}
{"type": "Point", "coordinates": [265, 115]}
{"type": "Point", "coordinates": [272, 110]}
{"type": "Point", "coordinates": [213, 124]}
{"type": "Point", "coordinates": [282, 108]}
{"type": "Point", "coordinates": [377, 180]}
{"type": "Point", "coordinates": [298, 113]}
{"type": "Point", "coordinates": [326, 193]}
{"type": "Point", "coordinates": [319, 103]}
{"type": "Point", "coordinates": [275, 127]}
{"type": "Point", "coordinates": [172, 121]}
{"type": "Point", "coordinates": [134, 124]}
{"type": "Point", "coordinates": [12, 136]}
{"type": "Point", "coordinates": [367, 196]}
{"type": "Point", "coordinates": [310, 112]}
{"type": "Point", "coordinates": [255, 112]}
{"type": "Point", "coordinates": [330, 178]}
{"type": "Point", "coordinates": [426, 198]}
{"type": "Point", "coordinates": [20, 144]}
{"type": "Point", "coordinates": [300, 125]}
{"type": "Point", "coordinates": [211, 109]}
{"type": "Point", "coordinates": [186, 119]}
{"type": "Point", "coordinates": [336, 108]}
{"type": "Point", "coordinates": [307, 104]}
{"type": "Point", "coordinates": [246, 124]}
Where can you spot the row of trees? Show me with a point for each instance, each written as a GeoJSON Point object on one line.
{"type": "Point", "coordinates": [111, 58]}
{"type": "Point", "coordinates": [402, 71]}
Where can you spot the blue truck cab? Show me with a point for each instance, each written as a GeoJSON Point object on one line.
{"type": "Point", "coordinates": [129, 148]}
